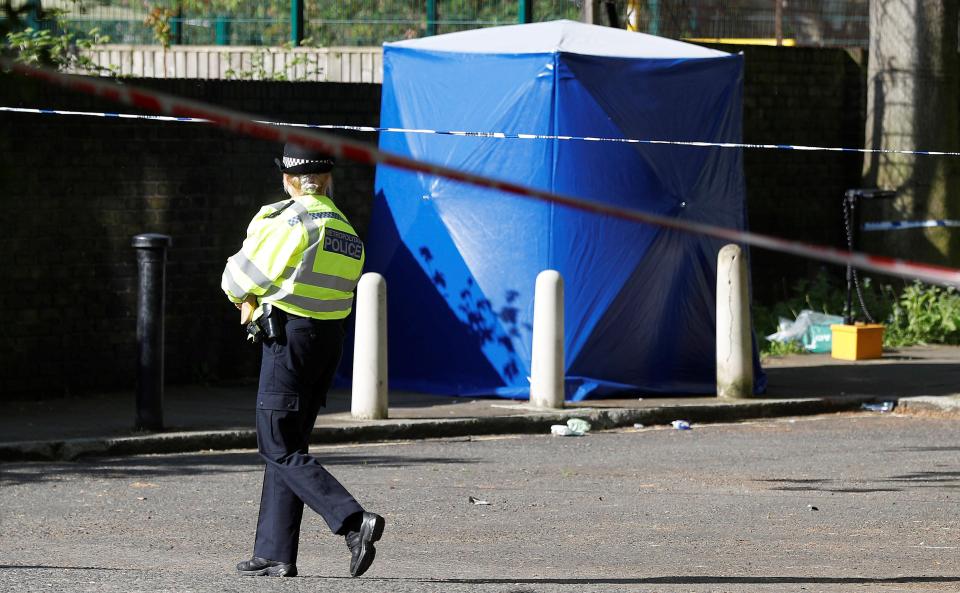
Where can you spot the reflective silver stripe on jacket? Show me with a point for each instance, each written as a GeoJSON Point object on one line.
{"type": "Point", "coordinates": [307, 276]}
{"type": "Point", "coordinates": [314, 305]}
{"type": "Point", "coordinates": [313, 231]}
{"type": "Point", "coordinates": [251, 270]}
{"type": "Point", "coordinates": [234, 288]}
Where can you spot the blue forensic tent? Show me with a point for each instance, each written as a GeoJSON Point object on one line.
{"type": "Point", "coordinates": [461, 262]}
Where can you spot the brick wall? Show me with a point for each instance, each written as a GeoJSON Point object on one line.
{"type": "Point", "coordinates": [803, 96]}
{"type": "Point", "coordinates": [76, 189]}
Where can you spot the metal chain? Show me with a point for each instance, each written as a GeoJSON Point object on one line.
{"type": "Point", "coordinates": [847, 207]}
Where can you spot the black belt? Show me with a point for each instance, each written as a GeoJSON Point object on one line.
{"type": "Point", "coordinates": [282, 317]}
{"type": "Point", "coordinates": [272, 324]}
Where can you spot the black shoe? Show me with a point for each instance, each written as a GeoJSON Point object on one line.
{"type": "Point", "coordinates": [257, 567]}
{"type": "Point", "coordinates": [360, 543]}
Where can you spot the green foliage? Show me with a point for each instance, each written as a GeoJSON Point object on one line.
{"type": "Point", "coordinates": [781, 348]}
{"type": "Point", "coordinates": [208, 6]}
{"type": "Point", "coordinates": [298, 68]}
{"type": "Point", "coordinates": [822, 294]}
{"type": "Point", "coordinates": [52, 44]}
{"type": "Point", "coordinates": [158, 19]}
{"type": "Point", "coordinates": [62, 51]}
{"type": "Point", "coordinates": [918, 314]}
{"type": "Point", "coordinates": [267, 22]}
{"type": "Point", "coordinates": [924, 315]}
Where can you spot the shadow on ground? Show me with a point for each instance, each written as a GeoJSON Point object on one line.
{"type": "Point", "coordinates": [663, 580]}
{"type": "Point", "coordinates": [192, 465]}
{"type": "Point", "coordinates": [896, 483]}
{"type": "Point", "coordinates": [876, 380]}
{"type": "Point", "coordinates": [691, 580]}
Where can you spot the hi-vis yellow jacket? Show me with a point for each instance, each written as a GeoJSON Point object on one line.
{"type": "Point", "coordinates": [300, 255]}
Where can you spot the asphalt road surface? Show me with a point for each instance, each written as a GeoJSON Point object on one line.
{"type": "Point", "coordinates": [836, 503]}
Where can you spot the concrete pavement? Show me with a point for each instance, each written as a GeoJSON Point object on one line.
{"type": "Point", "coordinates": [844, 503]}
{"type": "Point", "coordinates": [920, 379]}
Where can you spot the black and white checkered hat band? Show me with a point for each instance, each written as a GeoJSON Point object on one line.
{"type": "Point", "coordinates": [292, 162]}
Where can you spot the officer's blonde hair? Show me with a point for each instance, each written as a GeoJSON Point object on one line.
{"type": "Point", "coordinates": [312, 183]}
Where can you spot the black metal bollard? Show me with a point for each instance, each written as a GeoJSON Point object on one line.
{"type": "Point", "coordinates": [151, 261]}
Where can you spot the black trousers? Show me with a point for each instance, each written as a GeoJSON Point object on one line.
{"type": "Point", "coordinates": [295, 374]}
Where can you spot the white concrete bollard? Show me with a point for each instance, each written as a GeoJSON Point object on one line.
{"type": "Point", "coordinates": [734, 337]}
{"type": "Point", "coordinates": [369, 399]}
{"type": "Point", "coordinates": [547, 366]}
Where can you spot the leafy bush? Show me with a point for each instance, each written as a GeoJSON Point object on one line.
{"type": "Point", "coordinates": [822, 294]}
{"type": "Point", "coordinates": [52, 42]}
{"type": "Point", "coordinates": [917, 314]}
{"type": "Point", "coordinates": [924, 315]}
{"type": "Point", "coordinates": [62, 51]}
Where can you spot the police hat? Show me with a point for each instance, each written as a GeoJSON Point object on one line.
{"type": "Point", "coordinates": [298, 160]}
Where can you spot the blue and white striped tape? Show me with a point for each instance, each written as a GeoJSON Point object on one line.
{"type": "Point", "coordinates": [102, 114]}
{"type": "Point", "coordinates": [502, 135]}
{"type": "Point", "coordinates": [364, 153]}
{"type": "Point", "coordinates": [899, 225]}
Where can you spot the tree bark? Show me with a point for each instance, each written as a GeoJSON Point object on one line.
{"type": "Point", "coordinates": [913, 100]}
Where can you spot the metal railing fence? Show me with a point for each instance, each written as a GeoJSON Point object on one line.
{"type": "Point", "coordinates": [843, 23]}
{"type": "Point", "coordinates": [372, 22]}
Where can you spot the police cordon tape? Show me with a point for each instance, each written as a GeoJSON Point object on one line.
{"type": "Point", "coordinates": [888, 225]}
{"type": "Point", "coordinates": [500, 135]}
{"type": "Point", "coordinates": [360, 152]}
{"type": "Point", "coordinates": [900, 225]}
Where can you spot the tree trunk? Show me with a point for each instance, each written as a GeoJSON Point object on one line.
{"type": "Point", "coordinates": [590, 12]}
{"type": "Point", "coordinates": [913, 100]}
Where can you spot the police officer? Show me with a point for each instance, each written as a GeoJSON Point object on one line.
{"type": "Point", "coordinates": [297, 272]}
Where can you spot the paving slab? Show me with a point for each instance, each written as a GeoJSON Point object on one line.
{"type": "Point", "coordinates": [198, 417]}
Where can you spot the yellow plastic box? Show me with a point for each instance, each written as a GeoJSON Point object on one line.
{"type": "Point", "coordinates": [857, 342]}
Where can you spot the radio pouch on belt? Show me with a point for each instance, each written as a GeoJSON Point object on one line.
{"type": "Point", "coordinates": [267, 327]}
{"type": "Point", "coordinates": [272, 322]}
